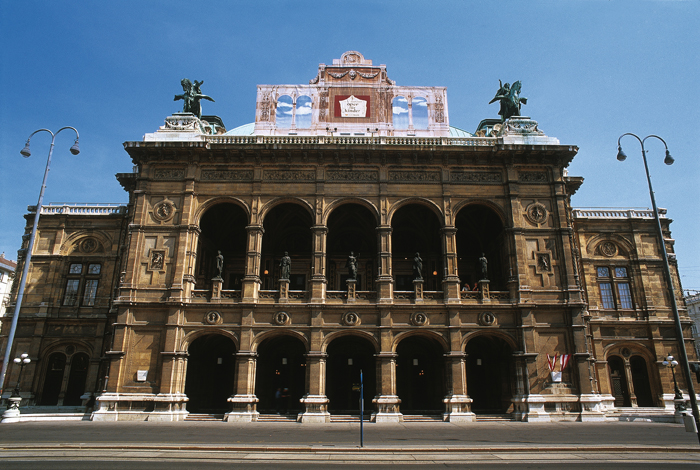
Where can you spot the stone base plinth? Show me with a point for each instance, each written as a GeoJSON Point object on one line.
{"type": "Point", "coordinates": [387, 409]}
{"type": "Point", "coordinates": [315, 409]}
{"type": "Point", "coordinates": [11, 415]}
{"type": "Point", "coordinates": [140, 407]}
{"type": "Point", "coordinates": [458, 409]}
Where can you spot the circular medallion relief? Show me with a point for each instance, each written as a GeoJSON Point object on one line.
{"type": "Point", "coordinates": [608, 249]}
{"type": "Point", "coordinates": [351, 319]}
{"type": "Point", "coordinates": [281, 318]}
{"type": "Point", "coordinates": [419, 319]}
{"type": "Point", "coordinates": [537, 213]}
{"type": "Point", "coordinates": [625, 352]}
{"type": "Point", "coordinates": [164, 210]}
{"type": "Point", "coordinates": [70, 349]}
{"type": "Point", "coordinates": [212, 318]}
{"type": "Point", "coordinates": [487, 319]}
{"type": "Point", "coordinates": [88, 245]}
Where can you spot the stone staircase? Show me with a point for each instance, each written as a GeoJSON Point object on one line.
{"type": "Point", "coordinates": [204, 417]}
{"type": "Point", "coordinates": [491, 418]}
{"type": "Point", "coordinates": [422, 418]}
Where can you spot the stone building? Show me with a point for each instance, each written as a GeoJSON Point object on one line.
{"type": "Point", "coordinates": [350, 228]}
{"type": "Point", "coordinates": [692, 302]}
{"type": "Point", "coordinates": [7, 274]}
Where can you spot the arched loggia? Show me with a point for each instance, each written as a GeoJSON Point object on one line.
{"type": "Point", "coordinates": [281, 367]}
{"type": "Point", "coordinates": [420, 375]}
{"type": "Point", "coordinates": [347, 356]}
{"type": "Point", "coordinates": [210, 374]}
{"type": "Point", "coordinates": [481, 232]}
{"type": "Point", "coordinates": [223, 228]}
{"type": "Point", "coordinates": [351, 228]}
{"type": "Point", "coordinates": [489, 374]}
{"type": "Point", "coordinates": [416, 229]}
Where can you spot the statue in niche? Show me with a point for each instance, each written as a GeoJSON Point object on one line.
{"type": "Point", "coordinates": [285, 266]}
{"type": "Point", "coordinates": [510, 99]}
{"type": "Point", "coordinates": [219, 265]}
{"type": "Point", "coordinates": [352, 266]}
{"type": "Point", "coordinates": [417, 267]}
{"type": "Point", "coordinates": [543, 262]}
{"type": "Point", "coordinates": [191, 96]}
{"type": "Point", "coordinates": [484, 267]}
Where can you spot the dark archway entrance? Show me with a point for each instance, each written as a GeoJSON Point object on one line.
{"type": "Point", "coordinates": [420, 375]}
{"type": "Point", "coordinates": [53, 379]}
{"type": "Point", "coordinates": [281, 365]}
{"type": "Point", "coordinates": [210, 374]}
{"type": "Point", "coordinates": [348, 355]}
{"type": "Point", "coordinates": [489, 372]}
{"type": "Point", "coordinates": [640, 380]}
{"type": "Point", "coordinates": [351, 227]}
{"type": "Point", "coordinates": [76, 380]}
{"type": "Point", "coordinates": [480, 230]}
{"type": "Point", "coordinates": [223, 229]}
{"type": "Point", "coordinates": [287, 228]}
{"type": "Point", "coordinates": [618, 381]}
{"type": "Point", "coordinates": [416, 229]}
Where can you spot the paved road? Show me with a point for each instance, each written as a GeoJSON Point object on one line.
{"type": "Point", "coordinates": [209, 445]}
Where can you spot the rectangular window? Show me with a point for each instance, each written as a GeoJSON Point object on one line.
{"type": "Point", "coordinates": [71, 297]}
{"type": "Point", "coordinates": [76, 268]}
{"type": "Point", "coordinates": [623, 290]}
{"type": "Point", "coordinates": [90, 292]}
{"type": "Point", "coordinates": [607, 295]}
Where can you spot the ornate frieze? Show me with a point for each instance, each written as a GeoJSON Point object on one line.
{"type": "Point", "coordinates": [352, 175]}
{"type": "Point", "coordinates": [520, 125]}
{"type": "Point", "coordinates": [478, 177]}
{"type": "Point", "coordinates": [415, 176]}
{"type": "Point", "coordinates": [169, 174]}
{"type": "Point", "coordinates": [265, 107]}
{"type": "Point", "coordinates": [289, 175]}
{"type": "Point", "coordinates": [226, 175]}
{"type": "Point", "coordinates": [532, 177]}
{"type": "Point", "coordinates": [181, 122]}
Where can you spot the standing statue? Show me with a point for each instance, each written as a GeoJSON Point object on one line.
{"type": "Point", "coordinates": [285, 266]}
{"type": "Point", "coordinates": [220, 264]}
{"type": "Point", "coordinates": [510, 99]}
{"type": "Point", "coordinates": [484, 267]}
{"type": "Point", "coordinates": [417, 267]}
{"type": "Point", "coordinates": [192, 94]}
{"type": "Point", "coordinates": [352, 266]}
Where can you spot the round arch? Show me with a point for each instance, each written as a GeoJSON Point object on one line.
{"type": "Point", "coordinates": [421, 372]}
{"type": "Point", "coordinates": [210, 374]}
{"type": "Point", "coordinates": [635, 361]}
{"type": "Point", "coordinates": [271, 334]}
{"type": "Point", "coordinates": [71, 242]}
{"type": "Point", "coordinates": [349, 356]}
{"type": "Point", "coordinates": [353, 332]}
{"type": "Point", "coordinates": [497, 209]}
{"type": "Point", "coordinates": [366, 203]}
{"type": "Point", "coordinates": [280, 377]}
{"type": "Point", "coordinates": [209, 203]}
{"type": "Point", "coordinates": [271, 204]}
{"type": "Point", "coordinates": [510, 340]}
{"type": "Point", "coordinates": [490, 372]}
{"type": "Point", "coordinates": [192, 336]}
{"type": "Point", "coordinates": [421, 332]}
{"type": "Point", "coordinates": [625, 248]}
{"type": "Point", "coordinates": [416, 200]}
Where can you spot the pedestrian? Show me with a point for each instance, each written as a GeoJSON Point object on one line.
{"type": "Point", "coordinates": [278, 400]}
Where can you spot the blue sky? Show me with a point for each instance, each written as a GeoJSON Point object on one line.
{"type": "Point", "coordinates": [591, 70]}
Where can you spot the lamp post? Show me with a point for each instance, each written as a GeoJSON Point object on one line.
{"type": "Point", "coordinates": [12, 413]}
{"type": "Point", "coordinates": [667, 274]}
{"type": "Point", "coordinates": [671, 363]}
{"type": "Point", "coordinates": [25, 152]}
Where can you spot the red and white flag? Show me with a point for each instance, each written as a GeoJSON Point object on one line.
{"type": "Point", "coordinates": [564, 361]}
{"type": "Point", "coordinates": [552, 362]}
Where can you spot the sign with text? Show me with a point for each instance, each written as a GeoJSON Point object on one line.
{"type": "Point", "coordinates": [351, 106]}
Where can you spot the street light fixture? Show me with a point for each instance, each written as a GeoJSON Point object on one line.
{"type": "Point", "coordinates": [25, 152]}
{"type": "Point", "coordinates": [669, 280]}
{"type": "Point", "coordinates": [22, 360]}
{"type": "Point", "coordinates": [671, 363]}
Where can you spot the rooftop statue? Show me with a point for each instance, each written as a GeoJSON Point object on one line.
{"type": "Point", "coordinates": [192, 94]}
{"type": "Point", "coordinates": [510, 99]}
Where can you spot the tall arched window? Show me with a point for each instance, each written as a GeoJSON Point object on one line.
{"type": "Point", "coordinates": [303, 112]}
{"type": "Point", "coordinates": [399, 107]}
{"type": "Point", "coordinates": [283, 115]}
{"type": "Point", "coordinates": [420, 113]}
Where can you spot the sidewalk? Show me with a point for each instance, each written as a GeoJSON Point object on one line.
{"type": "Point", "coordinates": [635, 444]}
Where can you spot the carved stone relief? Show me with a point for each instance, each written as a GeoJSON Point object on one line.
{"type": "Point", "coordinates": [608, 248]}
{"type": "Point", "coordinates": [532, 177]}
{"type": "Point", "coordinates": [475, 177]}
{"type": "Point", "coordinates": [415, 176]}
{"type": "Point", "coordinates": [281, 318]}
{"type": "Point", "coordinates": [537, 213]}
{"type": "Point", "coordinates": [227, 175]}
{"type": "Point", "coordinates": [352, 175]}
{"type": "Point", "coordinates": [487, 319]}
{"type": "Point", "coordinates": [351, 319]}
{"type": "Point", "coordinates": [419, 319]}
{"type": "Point", "coordinates": [213, 318]}
{"type": "Point", "coordinates": [169, 173]}
{"type": "Point", "coordinates": [164, 210]}
{"type": "Point", "coordinates": [284, 175]}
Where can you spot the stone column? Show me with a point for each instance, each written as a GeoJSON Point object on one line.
{"type": "Point", "coordinates": [351, 289]}
{"type": "Point", "coordinates": [318, 266]}
{"type": "Point", "coordinates": [284, 291]}
{"type": "Point", "coordinates": [244, 403]}
{"type": "Point", "coordinates": [457, 402]}
{"type": "Point", "coordinates": [387, 402]}
{"type": "Point", "coordinates": [216, 285]}
{"type": "Point", "coordinates": [251, 280]}
{"type": "Point", "coordinates": [450, 282]}
{"type": "Point", "coordinates": [630, 384]}
{"type": "Point", "coordinates": [385, 281]}
{"type": "Point", "coordinates": [315, 402]}
{"type": "Point", "coordinates": [418, 290]}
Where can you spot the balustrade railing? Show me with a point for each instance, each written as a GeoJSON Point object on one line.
{"type": "Point", "coordinates": [80, 209]}
{"type": "Point", "coordinates": [350, 140]}
{"type": "Point", "coordinates": [605, 213]}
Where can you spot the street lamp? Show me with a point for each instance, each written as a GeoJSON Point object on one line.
{"type": "Point", "coordinates": [25, 152]}
{"type": "Point", "coordinates": [671, 363]}
{"type": "Point", "coordinates": [667, 274]}
{"type": "Point", "coordinates": [22, 360]}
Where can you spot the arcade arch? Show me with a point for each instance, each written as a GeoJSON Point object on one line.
{"type": "Point", "coordinates": [64, 378]}
{"type": "Point", "coordinates": [489, 374]}
{"type": "Point", "coordinates": [223, 228]}
{"type": "Point", "coordinates": [481, 231]}
{"type": "Point", "coordinates": [287, 229]}
{"type": "Point", "coordinates": [347, 356]}
{"type": "Point", "coordinates": [210, 373]}
{"type": "Point", "coordinates": [351, 228]}
{"type": "Point", "coordinates": [416, 229]}
{"type": "Point", "coordinates": [420, 375]}
{"type": "Point", "coordinates": [281, 367]}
